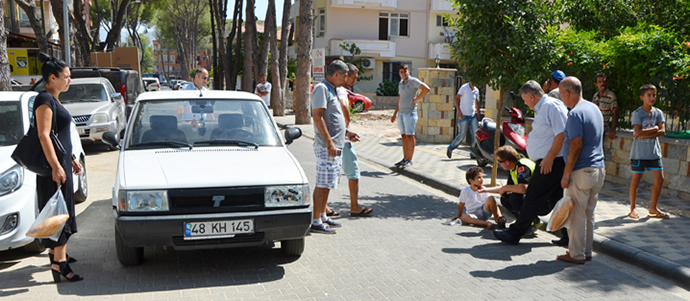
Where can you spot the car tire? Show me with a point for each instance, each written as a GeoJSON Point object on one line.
{"type": "Point", "coordinates": [126, 255]}
{"type": "Point", "coordinates": [83, 188]}
{"type": "Point", "coordinates": [293, 247]}
{"type": "Point", "coordinates": [35, 247]}
{"type": "Point", "coordinates": [359, 106]}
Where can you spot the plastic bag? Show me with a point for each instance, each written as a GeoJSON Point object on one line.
{"type": "Point", "coordinates": [562, 214]}
{"type": "Point", "coordinates": [52, 219]}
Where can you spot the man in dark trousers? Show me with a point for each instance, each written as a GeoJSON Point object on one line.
{"type": "Point", "coordinates": [544, 147]}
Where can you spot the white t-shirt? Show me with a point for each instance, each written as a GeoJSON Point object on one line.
{"type": "Point", "coordinates": [473, 200]}
{"type": "Point", "coordinates": [265, 88]}
{"type": "Point", "coordinates": [468, 95]}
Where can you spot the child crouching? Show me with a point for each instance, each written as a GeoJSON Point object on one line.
{"type": "Point", "coordinates": [476, 208]}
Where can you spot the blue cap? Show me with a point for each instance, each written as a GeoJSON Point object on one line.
{"type": "Point", "coordinates": [558, 75]}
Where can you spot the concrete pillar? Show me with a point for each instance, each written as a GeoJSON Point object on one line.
{"type": "Point", "coordinates": [436, 111]}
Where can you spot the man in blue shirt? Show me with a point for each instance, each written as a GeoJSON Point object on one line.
{"type": "Point", "coordinates": [544, 147]}
{"type": "Point", "coordinates": [200, 80]}
{"type": "Point", "coordinates": [584, 170]}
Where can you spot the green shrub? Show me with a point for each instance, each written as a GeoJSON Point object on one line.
{"type": "Point", "coordinates": [387, 88]}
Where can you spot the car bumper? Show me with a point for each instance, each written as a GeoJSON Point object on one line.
{"type": "Point", "coordinates": [94, 133]}
{"type": "Point", "coordinates": [23, 203]}
{"type": "Point", "coordinates": [149, 231]}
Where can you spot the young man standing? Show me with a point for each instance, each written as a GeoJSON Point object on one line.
{"type": "Point", "coordinates": [263, 89]}
{"type": "Point", "coordinates": [551, 85]}
{"type": "Point", "coordinates": [467, 104]}
{"type": "Point", "coordinates": [330, 131]}
{"type": "Point", "coordinates": [607, 102]}
{"type": "Point", "coordinates": [406, 112]}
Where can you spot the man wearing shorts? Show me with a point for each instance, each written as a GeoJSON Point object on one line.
{"type": "Point", "coordinates": [330, 131]}
{"type": "Point", "coordinates": [406, 112]}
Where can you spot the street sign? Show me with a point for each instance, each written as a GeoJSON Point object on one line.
{"type": "Point", "coordinates": [318, 57]}
{"type": "Point", "coordinates": [318, 73]}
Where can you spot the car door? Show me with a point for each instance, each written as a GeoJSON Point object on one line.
{"type": "Point", "coordinates": [119, 106]}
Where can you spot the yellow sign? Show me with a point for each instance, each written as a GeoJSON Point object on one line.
{"type": "Point", "coordinates": [19, 61]}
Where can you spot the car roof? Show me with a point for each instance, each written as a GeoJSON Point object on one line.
{"type": "Point", "coordinates": [194, 95]}
{"type": "Point", "coordinates": [11, 95]}
{"type": "Point", "coordinates": [88, 80]}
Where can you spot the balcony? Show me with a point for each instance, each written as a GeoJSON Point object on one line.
{"type": "Point", "coordinates": [442, 49]}
{"type": "Point", "coordinates": [370, 48]}
{"type": "Point", "coordinates": [367, 4]}
{"type": "Point", "coordinates": [442, 6]}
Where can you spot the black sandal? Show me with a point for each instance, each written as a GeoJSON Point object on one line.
{"type": "Point", "coordinates": [65, 270]}
{"type": "Point", "coordinates": [69, 259]}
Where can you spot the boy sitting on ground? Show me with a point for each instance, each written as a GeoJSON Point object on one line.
{"type": "Point", "coordinates": [476, 208]}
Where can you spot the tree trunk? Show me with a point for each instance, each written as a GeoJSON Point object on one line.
{"type": "Point", "coordinates": [302, 97]}
{"type": "Point", "coordinates": [216, 82]}
{"type": "Point", "coordinates": [5, 79]}
{"type": "Point", "coordinates": [277, 86]}
{"type": "Point", "coordinates": [230, 68]}
{"type": "Point", "coordinates": [497, 135]}
{"type": "Point", "coordinates": [269, 34]}
{"type": "Point", "coordinates": [113, 36]}
{"type": "Point", "coordinates": [29, 7]}
{"type": "Point", "coordinates": [284, 44]}
{"type": "Point", "coordinates": [220, 57]}
{"type": "Point", "coordinates": [56, 6]}
{"type": "Point", "coordinates": [238, 55]}
{"type": "Point", "coordinates": [83, 41]}
{"type": "Point", "coordinates": [249, 42]}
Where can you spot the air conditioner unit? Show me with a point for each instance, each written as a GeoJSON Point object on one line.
{"type": "Point", "coordinates": [369, 64]}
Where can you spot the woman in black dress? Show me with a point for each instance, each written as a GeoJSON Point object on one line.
{"type": "Point", "coordinates": [56, 74]}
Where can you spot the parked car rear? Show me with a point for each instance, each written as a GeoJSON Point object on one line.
{"type": "Point", "coordinates": [151, 84]}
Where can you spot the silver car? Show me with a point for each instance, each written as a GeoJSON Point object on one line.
{"type": "Point", "coordinates": [95, 108]}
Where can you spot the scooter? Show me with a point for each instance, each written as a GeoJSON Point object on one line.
{"type": "Point", "coordinates": [512, 133]}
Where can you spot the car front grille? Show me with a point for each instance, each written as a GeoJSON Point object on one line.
{"type": "Point", "coordinates": [86, 134]}
{"type": "Point", "coordinates": [238, 239]}
{"type": "Point", "coordinates": [186, 201]}
{"type": "Point", "coordinates": [81, 119]}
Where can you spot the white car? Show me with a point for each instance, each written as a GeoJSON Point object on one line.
{"type": "Point", "coordinates": [151, 84]}
{"type": "Point", "coordinates": [223, 179]}
{"type": "Point", "coordinates": [18, 204]}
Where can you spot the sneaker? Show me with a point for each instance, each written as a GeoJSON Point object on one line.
{"type": "Point", "coordinates": [322, 228]}
{"type": "Point", "coordinates": [333, 224]}
{"type": "Point", "coordinates": [401, 162]}
{"type": "Point", "coordinates": [449, 153]}
{"type": "Point", "coordinates": [407, 163]}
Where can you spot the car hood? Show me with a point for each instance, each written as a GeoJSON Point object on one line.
{"type": "Point", "coordinates": [86, 108]}
{"type": "Point", "coordinates": [209, 167]}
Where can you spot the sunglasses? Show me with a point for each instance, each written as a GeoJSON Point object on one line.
{"type": "Point", "coordinates": [204, 77]}
{"type": "Point", "coordinates": [501, 161]}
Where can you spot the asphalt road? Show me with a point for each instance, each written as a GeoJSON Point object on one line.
{"type": "Point", "coordinates": [402, 252]}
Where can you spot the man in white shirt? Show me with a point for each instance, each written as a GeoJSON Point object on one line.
{"type": "Point", "coordinates": [544, 147]}
{"type": "Point", "coordinates": [263, 89]}
{"type": "Point", "coordinates": [467, 104]}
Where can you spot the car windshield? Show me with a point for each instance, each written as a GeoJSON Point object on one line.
{"type": "Point", "coordinates": [11, 125]}
{"type": "Point", "coordinates": [84, 93]}
{"type": "Point", "coordinates": [189, 123]}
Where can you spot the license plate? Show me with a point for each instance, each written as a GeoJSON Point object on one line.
{"type": "Point", "coordinates": [218, 229]}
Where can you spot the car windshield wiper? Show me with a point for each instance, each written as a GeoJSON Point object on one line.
{"type": "Point", "coordinates": [224, 141]}
{"type": "Point", "coordinates": [166, 143]}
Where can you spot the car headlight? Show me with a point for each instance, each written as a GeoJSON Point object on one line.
{"type": "Point", "coordinates": [133, 201]}
{"type": "Point", "coordinates": [99, 118]}
{"type": "Point", "coordinates": [286, 196]}
{"type": "Point", "coordinates": [11, 180]}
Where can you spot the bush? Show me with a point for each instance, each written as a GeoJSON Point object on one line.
{"type": "Point", "coordinates": [387, 88]}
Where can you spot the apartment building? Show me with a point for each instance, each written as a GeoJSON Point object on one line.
{"type": "Point", "coordinates": [388, 32]}
{"type": "Point", "coordinates": [167, 62]}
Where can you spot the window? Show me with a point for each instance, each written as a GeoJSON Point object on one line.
{"type": "Point", "coordinates": [320, 23]}
{"type": "Point", "coordinates": [390, 70]}
{"type": "Point", "coordinates": [393, 25]}
{"type": "Point", "coordinates": [441, 21]}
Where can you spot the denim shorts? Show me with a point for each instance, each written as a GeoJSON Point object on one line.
{"type": "Point", "coordinates": [639, 166]}
{"type": "Point", "coordinates": [407, 123]}
{"type": "Point", "coordinates": [350, 166]}
{"type": "Point", "coordinates": [327, 168]}
{"type": "Point", "coordinates": [481, 213]}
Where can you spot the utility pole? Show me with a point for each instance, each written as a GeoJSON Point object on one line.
{"type": "Point", "coordinates": [65, 22]}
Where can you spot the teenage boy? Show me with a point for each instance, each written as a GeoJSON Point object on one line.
{"type": "Point", "coordinates": [476, 207]}
{"type": "Point", "coordinates": [645, 153]}
{"type": "Point", "coordinates": [406, 112]}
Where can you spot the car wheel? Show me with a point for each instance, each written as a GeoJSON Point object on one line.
{"type": "Point", "coordinates": [359, 106]}
{"type": "Point", "coordinates": [34, 247]}
{"type": "Point", "coordinates": [126, 255]}
{"type": "Point", "coordinates": [83, 189]}
{"type": "Point", "coordinates": [293, 247]}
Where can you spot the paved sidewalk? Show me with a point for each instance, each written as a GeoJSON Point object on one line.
{"type": "Point", "coordinates": [659, 246]}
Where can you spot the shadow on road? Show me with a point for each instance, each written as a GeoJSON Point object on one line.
{"type": "Point", "coordinates": [497, 251]}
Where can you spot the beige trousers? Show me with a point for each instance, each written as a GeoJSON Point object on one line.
{"type": "Point", "coordinates": [584, 189]}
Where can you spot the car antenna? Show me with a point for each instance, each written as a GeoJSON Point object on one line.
{"type": "Point", "coordinates": [200, 94]}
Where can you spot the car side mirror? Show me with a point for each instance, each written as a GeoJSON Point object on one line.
{"type": "Point", "coordinates": [292, 134]}
{"type": "Point", "coordinates": [111, 139]}
{"type": "Point", "coordinates": [117, 95]}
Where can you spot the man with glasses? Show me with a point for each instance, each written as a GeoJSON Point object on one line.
{"type": "Point", "coordinates": [521, 169]}
{"type": "Point", "coordinates": [200, 80]}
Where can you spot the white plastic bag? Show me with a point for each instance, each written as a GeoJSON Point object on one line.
{"type": "Point", "coordinates": [52, 219]}
{"type": "Point", "coordinates": [562, 214]}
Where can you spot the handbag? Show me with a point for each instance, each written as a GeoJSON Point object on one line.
{"type": "Point", "coordinates": [29, 153]}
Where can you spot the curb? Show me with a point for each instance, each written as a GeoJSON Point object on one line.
{"type": "Point", "coordinates": [652, 263]}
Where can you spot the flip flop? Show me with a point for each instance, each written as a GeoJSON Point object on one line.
{"type": "Point", "coordinates": [365, 212]}
{"type": "Point", "coordinates": [658, 215]}
{"type": "Point", "coordinates": [633, 215]}
{"type": "Point", "coordinates": [332, 213]}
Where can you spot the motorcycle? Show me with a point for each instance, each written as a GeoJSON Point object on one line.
{"type": "Point", "coordinates": [512, 133]}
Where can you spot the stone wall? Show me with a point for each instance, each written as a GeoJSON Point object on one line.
{"type": "Point", "coordinates": [436, 111]}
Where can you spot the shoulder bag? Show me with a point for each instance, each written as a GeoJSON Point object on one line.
{"type": "Point", "coordinates": [29, 153]}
